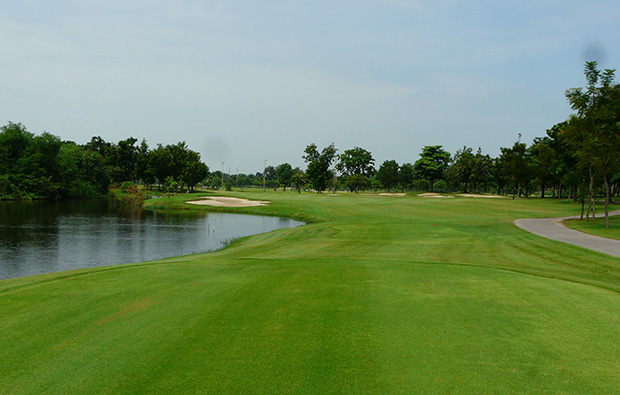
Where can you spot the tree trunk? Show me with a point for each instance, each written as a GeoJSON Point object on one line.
{"type": "Point", "coordinates": [607, 199]}
{"type": "Point", "coordinates": [590, 188]}
{"type": "Point", "coordinates": [594, 192]}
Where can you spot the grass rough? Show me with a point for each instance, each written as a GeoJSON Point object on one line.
{"type": "Point", "coordinates": [596, 226]}
{"type": "Point", "coordinates": [377, 294]}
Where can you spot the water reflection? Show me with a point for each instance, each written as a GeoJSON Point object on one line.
{"type": "Point", "coordinates": [42, 237]}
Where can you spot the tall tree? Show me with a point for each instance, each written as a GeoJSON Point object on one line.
{"type": "Point", "coordinates": [28, 163]}
{"type": "Point", "coordinates": [14, 139]}
{"type": "Point", "coordinates": [595, 130]}
{"type": "Point", "coordinates": [99, 145]}
{"type": "Point", "coordinates": [406, 174]}
{"type": "Point", "coordinates": [515, 164]}
{"type": "Point", "coordinates": [462, 169]}
{"type": "Point", "coordinates": [82, 172]}
{"type": "Point", "coordinates": [567, 173]}
{"type": "Point", "coordinates": [194, 171]}
{"type": "Point", "coordinates": [160, 163]}
{"type": "Point", "coordinates": [299, 178]}
{"type": "Point", "coordinates": [482, 175]}
{"type": "Point", "coordinates": [271, 176]}
{"type": "Point", "coordinates": [178, 156]}
{"type": "Point", "coordinates": [41, 155]}
{"type": "Point", "coordinates": [284, 173]}
{"type": "Point", "coordinates": [388, 174]}
{"type": "Point", "coordinates": [432, 165]}
{"type": "Point", "coordinates": [356, 165]}
{"type": "Point", "coordinates": [123, 159]}
{"type": "Point", "coordinates": [144, 168]}
{"type": "Point", "coordinates": [318, 172]}
{"type": "Point", "coordinates": [170, 161]}
{"type": "Point", "coordinates": [544, 162]}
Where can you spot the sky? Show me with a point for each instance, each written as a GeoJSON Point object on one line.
{"type": "Point", "coordinates": [248, 82]}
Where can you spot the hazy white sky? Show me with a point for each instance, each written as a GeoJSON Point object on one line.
{"type": "Point", "coordinates": [247, 81]}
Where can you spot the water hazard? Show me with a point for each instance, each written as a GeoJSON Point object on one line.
{"type": "Point", "coordinates": [43, 237]}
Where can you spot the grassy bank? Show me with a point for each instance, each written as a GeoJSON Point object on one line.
{"type": "Point", "coordinates": [597, 226]}
{"type": "Point", "coordinates": [376, 295]}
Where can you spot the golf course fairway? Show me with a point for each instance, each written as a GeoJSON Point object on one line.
{"type": "Point", "coordinates": [375, 295]}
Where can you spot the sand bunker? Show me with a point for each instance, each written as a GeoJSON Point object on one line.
{"type": "Point", "coordinates": [471, 195]}
{"type": "Point", "coordinates": [392, 194]}
{"type": "Point", "coordinates": [474, 195]}
{"type": "Point", "coordinates": [433, 195]}
{"type": "Point", "coordinates": [223, 201]}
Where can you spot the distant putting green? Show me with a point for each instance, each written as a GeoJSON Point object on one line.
{"type": "Point", "coordinates": [377, 295]}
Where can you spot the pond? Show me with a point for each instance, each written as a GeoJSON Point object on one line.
{"type": "Point", "coordinates": [44, 237]}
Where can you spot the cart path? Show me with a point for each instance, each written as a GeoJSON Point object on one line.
{"type": "Point", "coordinates": [554, 229]}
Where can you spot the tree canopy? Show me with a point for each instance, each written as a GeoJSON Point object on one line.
{"type": "Point", "coordinates": [433, 163]}
{"type": "Point", "coordinates": [356, 164]}
{"type": "Point", "coordinates": [284, 173]}
{"type": "Point", "coordinates": [318, 172]}
{"type": "Point", "coordinates": [594, 131]}
{"type": "Point", "coordinates": [388, 174]}
{"type": "Point", "coordinates": [45, 167]}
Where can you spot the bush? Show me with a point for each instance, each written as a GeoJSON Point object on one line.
{"type": "Point", "coordinates": [131, 194]}
{"type": "Point", "coordinates": [128, 186]}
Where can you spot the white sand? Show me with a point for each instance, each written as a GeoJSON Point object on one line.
{"type": "Point", "coordinates": [433, 195]}
{"type": "Point", "coordinates": [474, 195]}
{"type": "Point", "coordinates": [392, 194]}
{"type": "Point", "coordinates": [224, 201]}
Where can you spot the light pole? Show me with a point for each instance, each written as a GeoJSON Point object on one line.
{"type": "Point", "coordinates": [223, 175]}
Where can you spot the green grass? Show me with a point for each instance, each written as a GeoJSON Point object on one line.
{"type": "Point", "coordinates": [377, 295]}
{"type": "Point", "coordinates": [597, 226]}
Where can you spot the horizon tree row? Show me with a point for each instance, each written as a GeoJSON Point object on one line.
{"type": "Point", "coordinates": [46, 167]}
{"type": "Point", "coordinates": [547, 165]}
{"type": "Point", "coordinates": [576, 158]}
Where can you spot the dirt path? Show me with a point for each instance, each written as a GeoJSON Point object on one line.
{"type": "Point", "coordinates": [554, 229]}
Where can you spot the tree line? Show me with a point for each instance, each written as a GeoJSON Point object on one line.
{"type": "Point", "coordinates": [551, 165]}
{"type": "Point", "coordinates": [46, 167]}
{"type": "Point", "coordinates": [578, 158]}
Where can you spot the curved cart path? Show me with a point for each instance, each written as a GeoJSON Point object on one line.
{"type": "Point", "coordinates": [554, 229]}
